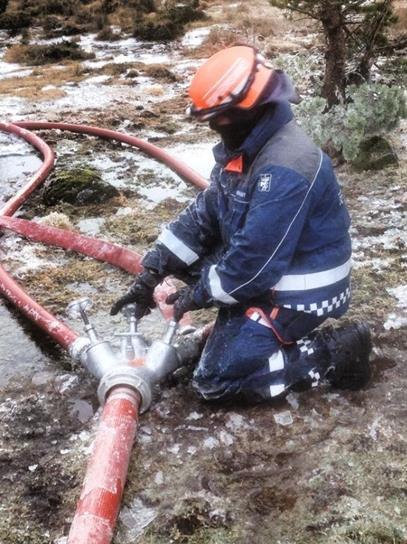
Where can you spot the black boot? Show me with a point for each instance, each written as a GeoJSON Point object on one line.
{"type": "Point", "coordinates": [349, 349]}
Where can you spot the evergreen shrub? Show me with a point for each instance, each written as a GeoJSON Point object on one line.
{"type": "Point", "coordinates": [370, 110]}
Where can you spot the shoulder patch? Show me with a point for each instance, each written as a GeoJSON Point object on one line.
{"type": "Point", "coordinates": [264, 182]}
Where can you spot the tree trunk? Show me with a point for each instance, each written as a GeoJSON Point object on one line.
{"type": "Point", "coordinates": [378, 24]}
{"type": "Point", "coordinates": [333, 88]}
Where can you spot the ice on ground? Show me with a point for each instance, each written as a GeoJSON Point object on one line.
{"type": "Point", "coordinates": [236, 422]}
{"type": "Point", "coordinates": [25, 257]}
{"type": "Point", "coordinates": [160, 193]}
{"type": "Point", "coordinates": [193, 416]}
{"type": "Point", "coordinates": [12, 108]}
{"type": "Point", "coordinates": [226, 438]}
{"type": "Point", "coordinates": [91, 226]}
{"type": "Point", "coordinates": [82, 96]}
{"type": "Point", "coordinates": [97, 79]}
{"type": "Point", "coordinates": [18, 160]}
{"type": "Point", "coordinates": [398, 318]}
{"type": "Point", "coordinates": [174, 449]}
{"type": "Point", "coordinates": [283, 418]}
{"type": "Point", "coordinates": [122, 51]}
{"type": "Point", "coordinates": [194, 38]}
{"type": "Point", "coordinates": [8, 70]}
{"type": "Point", "coordinates": [210, 443]}
{"type": "Point", "coordinates": [197, 156]}
{"type": "Point", "coordinates": [135, 518]}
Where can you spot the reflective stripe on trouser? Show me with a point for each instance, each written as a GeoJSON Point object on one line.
{"type": "Point", "coordinates": [243, 357]}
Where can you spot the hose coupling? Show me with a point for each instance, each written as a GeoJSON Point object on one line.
{"type": "Point", "coordinates": [135, 377]}
{"type": "Point", "coordinates": [78, 348]}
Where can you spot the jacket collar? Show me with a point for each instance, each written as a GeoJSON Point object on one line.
{"type": "Point", "coordinates": [268, 125]}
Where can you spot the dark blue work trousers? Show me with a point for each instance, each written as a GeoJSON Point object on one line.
{"type": "Point", "coordinates": [245, 358]}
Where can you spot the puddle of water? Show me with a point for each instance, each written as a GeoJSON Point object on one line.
{"type": "Point", "coordinates": [20, 355]}
{"type": "Point", "coordinates": [17, 160]}
{"type": "Point", "coordinates": [81, 409]}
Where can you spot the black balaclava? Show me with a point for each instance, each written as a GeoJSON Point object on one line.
{"type": "Point", "coordinates": [242, 123]}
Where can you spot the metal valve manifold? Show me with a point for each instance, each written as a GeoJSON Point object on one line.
{"type": "Point", "coordinates": [118, 369]}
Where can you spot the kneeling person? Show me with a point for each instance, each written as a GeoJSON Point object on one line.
{"type": "Point", "coordinates": [267, 242]}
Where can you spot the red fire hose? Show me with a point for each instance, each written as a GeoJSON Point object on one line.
{"type": "Point", "coordinates": [100, 499]}
{"type": "Point", "coordinates": [92, 247]}
{"type": "Point", "coordinates": [99, 503]}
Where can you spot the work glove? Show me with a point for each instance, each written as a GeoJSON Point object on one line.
{"type": "Point", "coordinates": [140, 293]}
{"type": "Point", "coordinates": [183, 302]}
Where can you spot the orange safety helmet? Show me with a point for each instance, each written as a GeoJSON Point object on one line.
{"type": "Point", "coordinates": [233, 77]}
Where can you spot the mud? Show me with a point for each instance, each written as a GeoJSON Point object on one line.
{"type": "Point", "coordinates": [335, 473]}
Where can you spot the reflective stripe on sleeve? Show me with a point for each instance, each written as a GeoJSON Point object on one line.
{"type": "Point", "coordinates": [303, 282]}
{"type": "Point", "coordinates": [177, 246]}
{"type": "Point", "coordinates": [216, 289]}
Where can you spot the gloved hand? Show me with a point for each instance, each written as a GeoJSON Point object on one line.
{"type": "Point", "coordinates": [183, 302]}
{"type": "Point", "coordinates": [141, 293]}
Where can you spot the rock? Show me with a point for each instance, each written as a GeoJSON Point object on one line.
{"type": "Point", "coordinates": [375, 153]}
{"type": "Point", "coordinates": [78, 186]}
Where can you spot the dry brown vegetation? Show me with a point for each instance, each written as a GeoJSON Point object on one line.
{"type": "Point", "coordinates": [38, 55]}
{"type": "Point", "coordinates": [32, 86]}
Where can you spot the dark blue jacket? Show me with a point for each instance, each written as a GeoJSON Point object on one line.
{"type": "Point", "coordinates": [275, 216]}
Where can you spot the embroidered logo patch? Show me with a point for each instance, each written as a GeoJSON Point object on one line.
{"type": "Point", "coordinates": [264, 182]}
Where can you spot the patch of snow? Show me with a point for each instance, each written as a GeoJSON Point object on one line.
{"type": "Point", "coordinates": [292, 400]}
{"type": "Point", "coordinates": [377, 264]}
{"type": "Point", "coordinates": [159, 478]}
{"type": "Point", "coordinates": [24, 256]}
{"type": "Point", "coordinates": [159, 193]}
{"type": "Point", "coordinates": [197, 156]}
{"type": "Point", "coordinates": [193, 416]}
{"type": "Point", "coordinates": [82, 96]}
{"type": "Point", "coordinates": [398, 319]}
{"type": "Point", "coordinates": [374, 428]}
{"type": "Point", "coordinates": [210, 443]}
{"type": "Point", "coordinates": [96, 79]}
{"type": "Point", "coordinates": [192, 450]}
{"type": "Point", "coordinates": [284, 418]}
{"type": "Point", "coordinates": [122, 51]}
{"type": "Point", "coordinates": [66, 382]}
{"type": "Point", "coordinates": [226, 438]}
{"type": "Point", "coordinates": [236, 422]}
{"type": "Point", "coordinates": [194, 38]}
{"type": "Point", "coordinates": [91, 226]}
{"type": "Point", "coordinates": [121, 212]}
{"type": "Point", "coordinates": [174, 449]}
{"type": "Point", "coordinates": [61, 540]}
